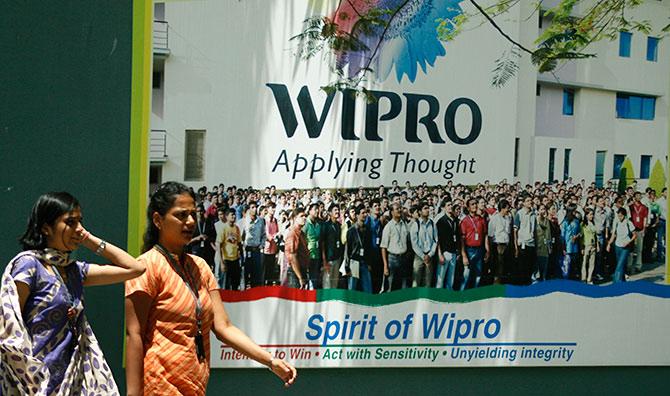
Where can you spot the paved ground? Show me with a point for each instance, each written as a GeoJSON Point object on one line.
{"type": "Point", "coordinates": [653, 272]}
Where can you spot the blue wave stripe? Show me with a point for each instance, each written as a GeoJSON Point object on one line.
{"type": "Point", "coordinates": [585, 290]}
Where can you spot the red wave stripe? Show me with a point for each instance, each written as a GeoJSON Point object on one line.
{"type": "Point", "coordinates": [258, 293]}
{"type": "Point", "coordinates": [224, 346]}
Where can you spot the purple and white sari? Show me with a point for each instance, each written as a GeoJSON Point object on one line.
{"type": "Point", "coordinates": [45, 352]}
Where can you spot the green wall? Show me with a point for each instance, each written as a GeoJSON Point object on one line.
{"type": "Point", "coordinates": [569, 381]}
{"type": "Point", "coordinates": [65, 86]}
{"type": "Point", "coordinates": [65, 94]}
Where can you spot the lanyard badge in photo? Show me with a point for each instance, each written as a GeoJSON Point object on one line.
{"type": "Point", "coordinates": [361, 250]}
{"type": "Point", "coordinates": [199, 343]}
{"type": "Point", "coordinates": [398, 231]}
{"type": "Point", "coordinates": [474, 228]}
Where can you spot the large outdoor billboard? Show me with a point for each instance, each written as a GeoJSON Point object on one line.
{"type": "Point", "coordinates": [433, 115]}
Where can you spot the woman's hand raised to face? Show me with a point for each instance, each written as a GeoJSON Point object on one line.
{"type": "Point", "coordinates": [84, 238]}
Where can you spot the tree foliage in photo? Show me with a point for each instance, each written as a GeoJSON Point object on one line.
{"type": "Point", "coordinates": [657, 177]}
{"type": "Point", "coordinates": [574, 26]}
{"type": "Point", "coordinates": [626, 175]}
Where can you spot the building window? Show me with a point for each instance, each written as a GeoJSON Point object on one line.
{"type": "Point", "coordinates": [538, 90]}
{"type": "Point", "coordinates": [159, 11]}
{"type": "Point", "coordinates": [635, 107]}
{"type": "Point", "coordinates": [568, 102]}
{"type": "Point", "coordinates": [566, 164]}
{"type": "Point", "coordinates": [155, 177]}
{"type": "Point", "coordinates": [652, 49]}
{"type": "Point", "coordinates": [156, 80]}
{"type": "Point", "coordinates": [516, 157]}
{"type": "Point", "coordinates": [618, 161]}
{"type": "Point", "coordinates": [194, 165]}
{"type": "Point", "coordinates": [552, 160]}
{"type": "Point", "coordinates": [645, 162]}
{"type": "Point", "coordinates": [624, 44]}
{"type": "Point", "coordinates": [600, 168]}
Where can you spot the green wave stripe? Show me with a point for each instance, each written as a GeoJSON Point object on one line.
{"type": "Point", "coordinates": [399, 296]}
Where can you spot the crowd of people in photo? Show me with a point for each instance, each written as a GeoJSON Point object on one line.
{"type": "Point", "coordinates": [451, 236]}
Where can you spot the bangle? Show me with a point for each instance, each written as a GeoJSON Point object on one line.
{"type": "Point", "coordinates": [101, 247]}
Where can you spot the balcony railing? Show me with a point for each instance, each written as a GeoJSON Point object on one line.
{"type": "Point", "coordinates": [158, 146]}
{"type": "Point", "coordinates": [160, 38]}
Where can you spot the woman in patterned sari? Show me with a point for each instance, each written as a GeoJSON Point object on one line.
{"type": "Point", "coordinates": [46, 344]}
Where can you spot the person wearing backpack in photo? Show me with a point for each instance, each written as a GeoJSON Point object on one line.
{"type": "Point", "coordinates": [623, 237]}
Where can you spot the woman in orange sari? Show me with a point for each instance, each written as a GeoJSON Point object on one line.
{"type": "Point", "coordinates": [171, 309]}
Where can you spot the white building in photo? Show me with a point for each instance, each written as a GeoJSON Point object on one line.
{"type": "Point", "coordinates": [596, 112]}
{"type": "Point", "coordinates": [232, 102]}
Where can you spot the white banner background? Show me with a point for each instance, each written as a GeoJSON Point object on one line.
{"type": "Point", "coordinates": [627, 330]}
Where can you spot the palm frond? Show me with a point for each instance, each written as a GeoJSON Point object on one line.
{"type": "Point", "coordinates": [506, 67]}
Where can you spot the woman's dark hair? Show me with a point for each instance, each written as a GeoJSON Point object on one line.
{"type": "Point", "coordinates": [161, 201]}
{"type": "Point", "coordinates": [47, 209]}
{"type": "Point", "coordinates": [586, 216]}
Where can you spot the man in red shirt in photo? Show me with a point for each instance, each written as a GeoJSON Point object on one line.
{"type": "Point", "coordinates": [296, 251]}
{"type": "Point", "coordinates": [474, 245]}
{"type": "Point", "coordinates": [639, 216]}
